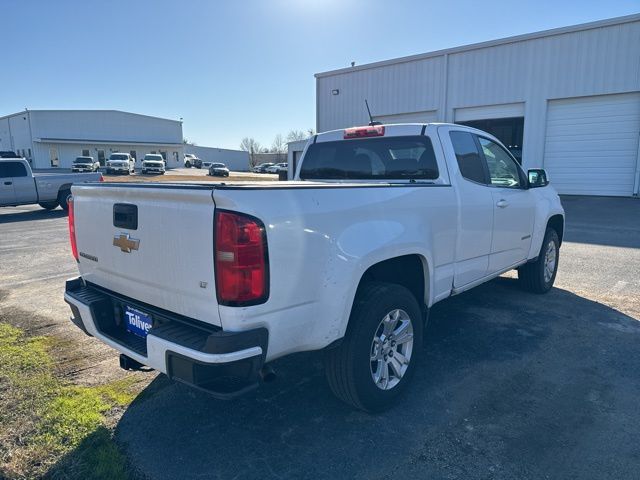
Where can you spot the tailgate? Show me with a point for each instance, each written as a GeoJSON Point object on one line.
{"type": "Point", "coordinates": [166, 260]}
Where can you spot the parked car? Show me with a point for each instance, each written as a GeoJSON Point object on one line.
{"type": "Point", "coordinates": [20, 186]}
{"type": "Point", "coordinates": [153, 163]}
{"type": "Point", "coordinates": [381, 223]}
{"type": "Point", "coordinates": [8, 154]}
{"type": "Point", "coordinates": [121, 163]}
{"type": "Point", "coordinates": [218, 170]}
{"type": "Point", "coordinates": [277, 168]}
{"type": "Point", "coordinates": [191, 160]}
{"type": "Point", "coordinates": [85, 164]}
{"type": "Point", "coordinates": [262, 168]}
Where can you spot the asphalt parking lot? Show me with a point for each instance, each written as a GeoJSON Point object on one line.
{"type": "Point", "coordinates": [512, 385]}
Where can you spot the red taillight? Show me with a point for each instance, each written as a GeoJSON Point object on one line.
{"type": "Point", "coordinates": [360, 132]}
{"type": "Point", "coordinates": [240, 259]}
{"type": "Point", "coordinates": [72, 229]}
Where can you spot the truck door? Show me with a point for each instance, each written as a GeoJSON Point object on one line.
{"type": "Point", "coordinates": [23, 185]}
{"type": "Point", "coordinates": [514, 207]}
{"type": "Point", "coordinates": [475, 219]}
{"type": "Point", "coordinates": [7, 193]}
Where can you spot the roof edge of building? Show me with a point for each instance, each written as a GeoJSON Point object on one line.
{"type": "Point", "coordinates": [22, 112]}
{"type": "Point", "coordinates": [489, 43]}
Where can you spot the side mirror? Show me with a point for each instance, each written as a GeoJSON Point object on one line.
{"type": "Point", "coordinates": [537, 178]}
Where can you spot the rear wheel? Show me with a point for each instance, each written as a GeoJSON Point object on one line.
{"type": "Point", "coordinates": [374, 363]}
{"type": "Point", "coordinates": [63, 198]}
{"type": "Point", "coordinates": [49, 205]}
{"type": "Point", "coordinates": [187, 164]}
{"type": "Point", "coordinates": [538, 276]}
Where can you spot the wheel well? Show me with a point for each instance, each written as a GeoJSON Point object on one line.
{"type": "Point", "coordinates": [557, 223]}
{"type": "Point", "coordinates": [64, 187]}
{"type": "Point", "coordinates": [407, 270]}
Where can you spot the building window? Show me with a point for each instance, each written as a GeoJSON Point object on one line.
{"type": "Point", "coordinates": [133, 155]}
{"type": "Point", "coordinates": [153, 151]}
{"type": "Point", "coordinates": [164, 156]}
{"type": "Point", "coordinates": [175, 156]}
{"type": "Point", "coordinates": [85, 152]}
{"type": "Point", "coordinates": [29, 154]}
{"type": "Point", "coordinates": [101, 157]}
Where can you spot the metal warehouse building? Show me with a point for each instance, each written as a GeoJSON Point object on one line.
{"type": "Point", "coordinates": [54, 138]}
{"type": "Point", "coordinates": [566, 99]}
{"type": "Point", "coordinates": [235, 160]}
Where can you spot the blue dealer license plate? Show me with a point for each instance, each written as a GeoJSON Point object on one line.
{"type": "Point", "coordinates": [137, 322]}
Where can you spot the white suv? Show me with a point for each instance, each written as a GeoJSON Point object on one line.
{"type": "Point", "coordinates": [121, 163]}
{"type": "Point", "coordinates": [190, 160]}
{"type": "Point", "coordinates": [153, 163]}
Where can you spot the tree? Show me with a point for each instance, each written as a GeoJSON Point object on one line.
{"type": "Point", "coordinates": [295, 135]}
{"type": "Point", "coordinates": [311, 131]}
{"type": "Point", "coordinates": [252, 146]}
{"type": "Point", "coordinates": [186, 141]}
{"type": "Point", "coordinates": [279, 147]}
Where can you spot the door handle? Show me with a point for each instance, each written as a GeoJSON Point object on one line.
{"type": "Point", "coordinates": [502, 203]}
{"type": "Point", "coordinates": [8, 183]}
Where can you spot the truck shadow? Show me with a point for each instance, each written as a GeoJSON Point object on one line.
{"type": "Point", "coordinates": [510, 385]}
{"type": "Point", "coordinates": [30, 215]}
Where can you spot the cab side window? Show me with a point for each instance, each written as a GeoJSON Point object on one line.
{"type": "Point", "coordinates": [12, 169]}
{"type": "Point", "coordinates": [468, 156]}
{"type": "Point", "coordinates": [503, 171]}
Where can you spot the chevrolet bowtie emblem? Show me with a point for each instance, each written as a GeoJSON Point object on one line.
{"type": "Point", "coordinates": [125, 242]}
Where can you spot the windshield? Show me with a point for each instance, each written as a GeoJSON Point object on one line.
{"type": "Point", "coordinates": [118, 156]}
{"type": "Point", "coordinates": [218, 165]}
{"type": "Point", "coordinates": [371, 159]}
{"type": "Point", "coordinates": [153, 157]}
{"type": "Point", "coordinates": [83, 160]}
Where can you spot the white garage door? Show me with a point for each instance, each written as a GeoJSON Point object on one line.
{"type": "Point", "coordinates": [592, 144]}
{"type": "Point", "coordinates": [413, 117]}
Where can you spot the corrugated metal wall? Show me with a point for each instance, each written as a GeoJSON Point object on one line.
{"type": "Point", "coordinates": [235, 160]}
{"type": "Point", "coordinates": [105, 125]}
{"type": "Point", "coordinates": [593, 61]}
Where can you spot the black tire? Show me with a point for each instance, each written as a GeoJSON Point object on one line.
{"type": "Point", "coordinates": [49, 205]}
{"type": "Point", "coordinates": [348, 366]}
{"type": "Point", "coordinates": [187, 164]}
{"type": "Point", "coordinates": [532, 275]}
{"type": "Point", "coordinates": [63, 196]}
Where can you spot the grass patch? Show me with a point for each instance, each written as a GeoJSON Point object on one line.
{"type": "Point", "coordinates": [49, 428]}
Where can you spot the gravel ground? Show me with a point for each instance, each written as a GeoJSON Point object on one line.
{"type": "Point", "coordinates": [512, 385]}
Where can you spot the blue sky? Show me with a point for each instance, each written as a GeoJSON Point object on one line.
{"type": "Point", "coordinates": [236, 68]}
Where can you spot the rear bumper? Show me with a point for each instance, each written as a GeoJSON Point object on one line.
{"type": "Point", "coordinates": [225, 364]}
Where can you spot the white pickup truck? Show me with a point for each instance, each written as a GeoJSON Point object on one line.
{"type": "Point", "coordinates": [380, 223]}
{"type": "Point", "coordinates": [20, 186]}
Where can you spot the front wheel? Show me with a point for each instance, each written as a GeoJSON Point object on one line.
{"type": "Point", "coordinates": [63, 198]}
{"type": "Point", "coordinates": [49, 205]}
{"type": "Point", "coordinates": [538, 276]}
{"type": "Point", "coordinates": [374, 363]}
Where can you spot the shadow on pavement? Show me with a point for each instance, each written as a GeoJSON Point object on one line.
{"type": "Point", "coordinates": [30, 215]}
{"type": "Point", "coordinates": [511, 385]}
{"type": "Point", "coordinates": [613, 221]}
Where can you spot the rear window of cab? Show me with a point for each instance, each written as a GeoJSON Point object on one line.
{"type": "Point", "coordinates": [381, 158]}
